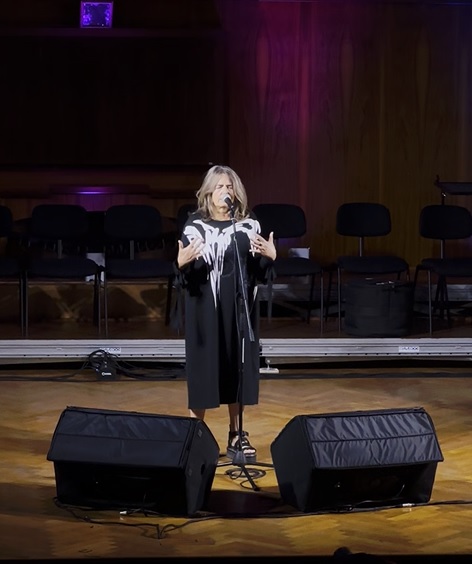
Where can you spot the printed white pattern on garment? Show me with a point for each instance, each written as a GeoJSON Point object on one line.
{"type": "Point", "coordinates": [216, 242]}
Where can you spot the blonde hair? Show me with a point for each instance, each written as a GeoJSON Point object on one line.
{"type": "Point", "coordinates": [210, 181]}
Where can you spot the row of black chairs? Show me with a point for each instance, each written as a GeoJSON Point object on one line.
{"type": "Point", "coordinates": [56, 249]}
{"type": "Point", "coordinates": [439, 222]}
{"type": "Point", "coordinates": [363, 220]}
{"type": "Point", "coordinates": [59, 237]}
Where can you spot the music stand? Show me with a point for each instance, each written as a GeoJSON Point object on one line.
{"type": "Point", "coordinates": [453, 188]}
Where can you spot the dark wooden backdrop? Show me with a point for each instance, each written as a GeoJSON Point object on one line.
{"type": "Point", "coordinates": [315, 103]}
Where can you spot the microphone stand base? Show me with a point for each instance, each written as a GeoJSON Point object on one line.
{"type": "Point", "coordinates": [241, 469]}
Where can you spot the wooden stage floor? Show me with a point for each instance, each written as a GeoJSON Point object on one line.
{"type": "Point", "coordinates": [238, 521]}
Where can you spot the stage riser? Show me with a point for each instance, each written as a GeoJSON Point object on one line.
{"type": "Point", "coordinates": [173, 350]}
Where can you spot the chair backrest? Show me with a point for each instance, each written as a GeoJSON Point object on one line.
{"type": "Point", "coordinates": [445, 222]}
{"type": "Point", "coordinates": [95, 235]}
{"type": "Point", "coordinates": [58, 221]}
{"type": "Point", "coordinates": [363, 219]}
{"type": "Point", "coordinates": [6, 221]}
{"type": "Point", "coordinates": [287, 221]}
{"type": "Point", "coordinates": [138, 222]}
{"type": "Point", "coordinates": [182, 216]}
{"type": "Point", "coordinates": [132, 224]}
{"type": "Point", "coordinates": [59, 224]}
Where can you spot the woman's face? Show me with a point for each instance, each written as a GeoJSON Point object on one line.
{"type": "Point", "coordinates": [222, 189]}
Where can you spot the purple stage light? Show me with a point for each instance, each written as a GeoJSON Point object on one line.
{"type": "Point", "coordinates": [96, 14]}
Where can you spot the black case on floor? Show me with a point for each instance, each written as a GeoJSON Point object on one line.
{"type": "Point", "coordinates": [378, 309]}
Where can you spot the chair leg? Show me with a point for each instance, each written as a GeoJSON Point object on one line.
{"type": "Point", "coordinates": [105, 304]}
{"type": "Point", "coordinates": [169, 299]}
{"type": "Point", "coordinates": [415, 280]}
{"type": "Point", "coordinates": [97, 311]}
{"type": "Point", "coordinates": [339, 300]}
{"type": "Point", "coordinates": [328, 293]}
{"type": "Point", "coordinates": [430, 304]}
{"type": "Point", "coordinates": [407, 275]}
{"type": "Point", "coordinates": [21, 301]}
{"type": "Point", "coordinates": [310, 299]}
{"type": "Point", "coordinates": [321, 305]}
{"type": "Point", "coordinates": [446, 304]}
{"type": "Point", "coordinates": [439, 299]}
{"type": "Point", "coordinates": [26, 306]}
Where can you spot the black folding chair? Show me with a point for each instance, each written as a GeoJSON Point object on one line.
{"type": "Point", "coordinates": [288, 221]}
{"type": "Point", "coordinates": [363, 220]}
{"type": "Point", "coordinates": [11, 271]}
{"type": "Point", "coordinates": [57, 252]}
{"type": "Point", "coordinates": [444, 223]}
{"type": "Point", "coordinates": [135, 251]}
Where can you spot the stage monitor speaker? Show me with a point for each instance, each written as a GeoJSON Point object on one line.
{"type": "Point", "coordinates": [128, 460]}
{"type": "Point", "coordinates": [356, 460]}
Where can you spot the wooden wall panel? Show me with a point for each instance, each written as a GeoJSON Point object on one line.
{"type": "Point", "coordinates": [104, 100]}
{"type": "Point", "coordinates": [334, 102]}
{"type": "Point", "coordinates": [328, 102]}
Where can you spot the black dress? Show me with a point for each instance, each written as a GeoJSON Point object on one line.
{"type": "Point", "coordinates": [216, 328]}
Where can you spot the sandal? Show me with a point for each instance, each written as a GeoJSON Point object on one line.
{"type": "Point", "coordinates": [245, 447]}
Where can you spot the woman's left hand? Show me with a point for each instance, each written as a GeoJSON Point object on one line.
{"type": "Point", "coordinates": [265, 247]}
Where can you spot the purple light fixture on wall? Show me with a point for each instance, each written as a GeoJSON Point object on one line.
{"type": "Point", "coordinates": [96, 14]}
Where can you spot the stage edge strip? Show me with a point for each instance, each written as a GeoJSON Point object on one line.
{"type": "Point", "coordinates": [12, 351]}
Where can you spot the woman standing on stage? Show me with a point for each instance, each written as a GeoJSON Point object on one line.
{"type": "Point", "coordinates": [222, 363]}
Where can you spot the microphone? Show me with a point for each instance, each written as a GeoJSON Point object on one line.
{"type": "Point", "coordinates": [229, 202]}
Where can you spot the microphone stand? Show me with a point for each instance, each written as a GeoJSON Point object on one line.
{"type": "Point", "coordinates": [239, 460]}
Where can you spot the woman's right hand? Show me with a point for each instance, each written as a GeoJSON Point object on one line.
{"type": "Point", "coordinates": [189, 253]}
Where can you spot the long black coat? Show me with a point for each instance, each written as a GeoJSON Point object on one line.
{"type": "Point", "coordinates": [217, 327]}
